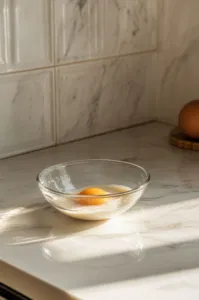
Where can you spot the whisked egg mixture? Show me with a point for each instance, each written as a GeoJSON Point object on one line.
{"type": "Point", "coordinates": [95, 205]}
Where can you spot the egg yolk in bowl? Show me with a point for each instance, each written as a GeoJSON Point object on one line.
{"type": "Point", "coordinates": [92, 200]}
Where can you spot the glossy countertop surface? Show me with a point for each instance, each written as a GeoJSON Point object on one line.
{"type": "Point", "coordinates": [150, 252]}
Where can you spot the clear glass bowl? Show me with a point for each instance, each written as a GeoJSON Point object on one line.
{"type": "Point", "coordinates": [61, 184]}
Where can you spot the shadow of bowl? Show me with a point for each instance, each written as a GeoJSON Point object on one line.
{"type": "Point", "coordinates": [38, 222]}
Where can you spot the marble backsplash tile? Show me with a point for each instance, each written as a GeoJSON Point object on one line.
{"type": "Point", "coordinates": [26, 112]}
{"type": "Point", "coordinates": [178, 72]}
{"type": "Point", "coordinates": [88, 29]}
{"type": "Point", "coordinates": [25, 35]}
{"type": "Point", "coordinates": [101, 96]}
{"type": "Point", "coordinates": [42, 37]}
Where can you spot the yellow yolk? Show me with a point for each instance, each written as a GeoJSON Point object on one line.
{"type": "Point", "coordinates": [92, 200]}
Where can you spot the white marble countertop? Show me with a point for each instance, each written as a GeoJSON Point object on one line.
{"type": "Point", "coordinates": [151, 252]}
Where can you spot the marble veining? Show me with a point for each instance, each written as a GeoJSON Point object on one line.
{"type": "Point", "coordinates": [30, 93]}
{"type": "Point", "coordinates": [175, 35]}
{"type": "Point", "coordinates": [177, 62]}
{"type": "Point", "coordinates": [153, 247]}
{"type": "Point", "coordinates": [24, 43]}
{"type": "Point", "coordinates": [102, 96]}
{"type": "Point", "coordinates": [178, 83]}
{"type": "Point", "coordinates": [48, 37]}
{"type": "Point", "coordinates": [92, 29]}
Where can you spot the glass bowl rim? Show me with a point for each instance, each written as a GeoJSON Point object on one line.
{"type": "Point", "coordinates": [73, 162]}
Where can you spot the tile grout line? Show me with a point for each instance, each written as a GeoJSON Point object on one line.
{"type": "Point", "coordinates": [55, 106]}
{"type": "Point", "coordinates": [160, 12]}
{"type": "Point", "coordinates": [54, 66]}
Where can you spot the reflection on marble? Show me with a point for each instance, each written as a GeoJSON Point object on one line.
{"type": "Point", "coordinates": [37, 223]}
{"type": "Point", "coordinates": [178, 73]}
{"type": "Point", "coordinates": [109, 238]}
{"type": "Point", "coordinates": [25, 112]}
{"type": "Point", "coordinates": [89, 29]}
{"type": "Point", "coordinates": [102, 96]}
{"type": "Point", "coordinates": [153, 247]}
